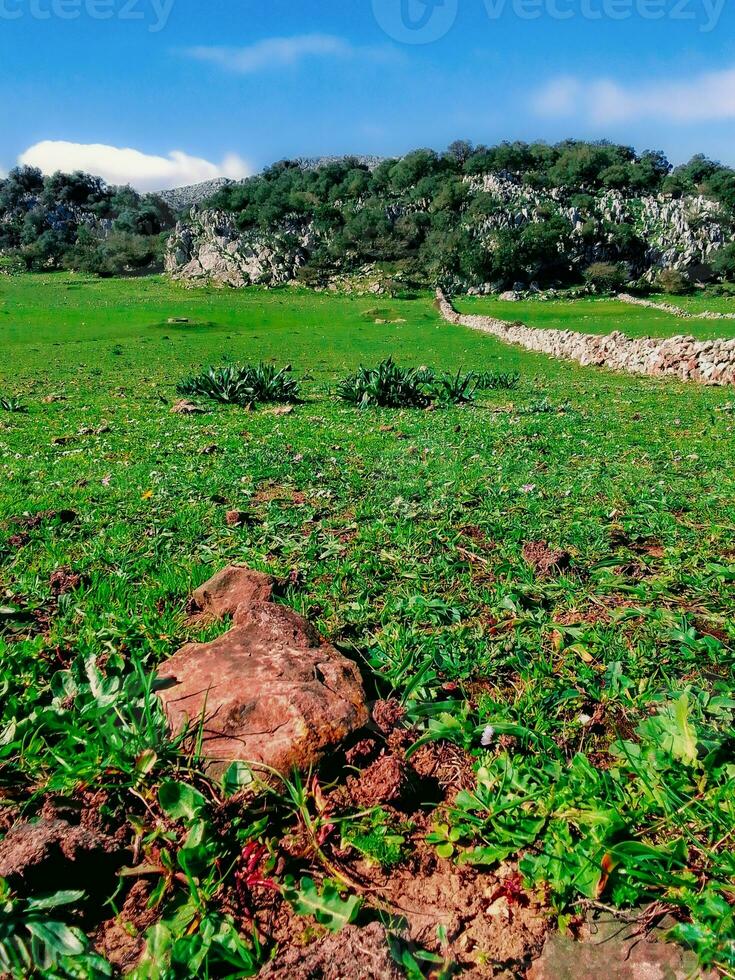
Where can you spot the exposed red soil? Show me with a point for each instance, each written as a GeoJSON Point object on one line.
{"type": "Point", "coordinates": [491, 924]}
{"type": "Point", "coordinates": [121, 940]}
{"type": "Point", "coordinates": [545, 560]}
{"type": "Point", "coordinates": [45, 855]}
{"type": "Point", "coordinates": [353, 954]}
{"type": "Point", "coordinates": [64, 580]}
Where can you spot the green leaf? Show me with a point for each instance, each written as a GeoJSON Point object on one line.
{"type": "Point", "coordinates": [57, 937]}
{"type": "Point", "coordinates": [326, 906]}
{"type": "Point", "coordinates": [239, 776]}
{"type": "Point", "coordinates": [54, 901]}
{"type": "Point", "coordinates": [180, 801]}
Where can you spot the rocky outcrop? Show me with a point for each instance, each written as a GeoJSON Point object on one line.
{"type": "Point", "coordinates": [677, 233]}
{"type": "Point", "coordinates": [647, 233]}
{"type": "Point", "coordinates": [710, 362]}
{"type": "Point", "coordinates": [674, 310]}
{"type": "Point", "coordinates": [270, 692]}
{"type": "Point", "coordinates": [209, 247]}
{"type": "Point", "coordinates": [184, 198]}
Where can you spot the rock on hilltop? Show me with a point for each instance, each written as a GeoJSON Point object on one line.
{"type": "Point", "coordinates": [185, 198]}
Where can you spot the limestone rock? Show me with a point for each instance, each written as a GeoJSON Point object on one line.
{"type": "Point", "coordinates": [184, 407]}
{"type": "Point", "coordinates": [267, 692]}
{"type": "Point", "coordinates": [209, 247]}
{"type": "Point", "coordinates": [686, 358]}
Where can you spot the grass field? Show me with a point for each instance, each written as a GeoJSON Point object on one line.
{"type": "Point", "coordinates": [608, 683]}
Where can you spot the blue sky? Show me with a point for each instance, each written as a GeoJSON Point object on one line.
{"type": "Point", "coordinates": [228, 86]}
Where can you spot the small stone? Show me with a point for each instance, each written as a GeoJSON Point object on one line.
{"type": "Point", "coordinates": [184, 407]}
{"type": "Point", "coordinates": [237, 518]}
{"type": "Point", "coordinates": [615, 951]}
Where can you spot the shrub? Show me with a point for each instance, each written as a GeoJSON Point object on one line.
{"type": "Point", "coordinates": [387, 386]}
{"type": "Point", "coordinates": [456, 389]}
{"type": "Point", "coordinates": [723, 262]}
{"type": "Point", "coordinates": [11, 405]}
{"type": "Point", "coordinates": [390, 386]}
{"type": "Point", "coordinates": [497, 381]}
{"type": "Point", "coordinates": [243, 385]}
{"type": "Point", "coordinates": [606, 277]}
{"type": "Point", "coordinates": [673, 282]}
{"type": "Point", "coordinates": [726, 289]}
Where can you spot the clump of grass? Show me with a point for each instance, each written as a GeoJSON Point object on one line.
{"type": "Point", "coordinates": [12, 405]}
{"type": "Point", "coordinates": [497, 380]}
{"type": "Point", "coordinates": [456, 389]}
{"type": "Point", "coordinates": [387, 386]}
{"type": "Point", "coordinates": [243, 384]}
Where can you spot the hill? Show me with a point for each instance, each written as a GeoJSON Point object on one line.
{"type": "Point", "coordinates": [184, 198]}
{"type": "Point", "coordinates": [487, 219]}
{"type": "Point", "coordinates": [469, 219]}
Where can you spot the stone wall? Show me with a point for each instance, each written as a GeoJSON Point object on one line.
{"type": "Point", "coordinates": [710, 362]}
{"type": "Point", "coordinates": [675, 310]}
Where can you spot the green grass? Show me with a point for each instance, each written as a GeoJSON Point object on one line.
{"type": "Point", "coordinates": [603, 316]}
{"type": "Point", "coordinates": [409, 550]}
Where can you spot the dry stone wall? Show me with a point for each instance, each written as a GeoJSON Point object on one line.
{"type": "Point", "coordinates": [675, 310]}
{"type": "Point", "coordinates": [710, 362]}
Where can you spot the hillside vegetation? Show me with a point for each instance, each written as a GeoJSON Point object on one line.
{"type": "Point", "coordinates": [76, 221]}
{"type": "Point", "coordinates": [472, 217]}
{"type": "Point", "coordinates": [511, 214]}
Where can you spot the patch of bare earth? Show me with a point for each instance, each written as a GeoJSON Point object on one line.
{"type": "Point", "coordinates": [492, 927]}
{"type": "Point", "coordinates": [545, 560]}
{"type": "Point", "coordinates": [353, 954]}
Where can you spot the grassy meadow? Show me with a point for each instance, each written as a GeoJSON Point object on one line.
{"type": "Point", "coordinates": [603, 691]}
{"type": "Point", "coordinates": [603, 316]}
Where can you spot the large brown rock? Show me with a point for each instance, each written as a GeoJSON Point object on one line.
{"type": "Point", "coordinates": [268, 692]}
{"type": "Point", "coordinates": [232, 587]}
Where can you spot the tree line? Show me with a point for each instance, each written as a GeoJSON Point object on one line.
{"type": "Point", "coordinates": [76, 221]}
{"type": "Point", "coordinates": [421, 214]}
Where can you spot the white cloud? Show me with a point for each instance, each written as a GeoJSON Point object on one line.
{"type": "Point", "coordinates": [282, 52]}
{"type": "Point", "coordinates": [144, 171]}
{"type": "Point", "coordinates": [701, 98]}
